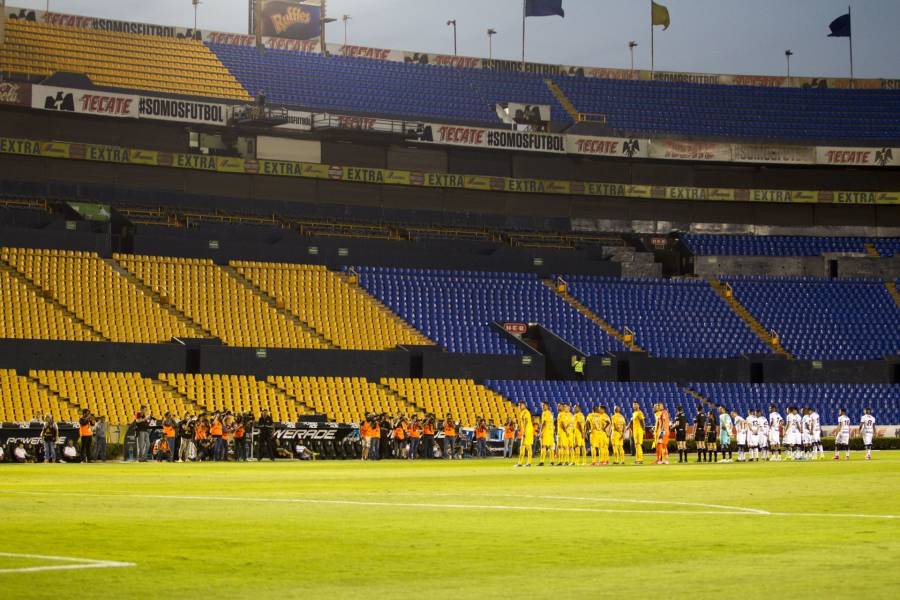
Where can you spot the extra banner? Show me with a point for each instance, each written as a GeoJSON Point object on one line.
{"type": "Point", "coordinates": [283, 168]}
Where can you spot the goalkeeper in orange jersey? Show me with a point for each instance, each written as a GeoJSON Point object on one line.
{"type": "Point", "coordinates": [618, 436]}
{"type": "Point", "coordinates": [661, 434]}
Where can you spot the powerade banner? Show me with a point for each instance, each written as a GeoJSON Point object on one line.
{"type": "Point", "coordinates": [292, 19]}
{"type": "Point", "coordinates": [283, 168]}
{"type": "Point", "coordinates": [305, 432]}
{"type": "Point", "coordinates": [495, 139]}
{"type": "Point", "coordinates": [108, 104]}
{"type": "Point", "coordinates": [30, 433]}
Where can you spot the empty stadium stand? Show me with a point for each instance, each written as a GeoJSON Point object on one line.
{"type": "Point", "coordinates": [821, 319]}
{"type": "Point", "coordinates": [456, 308]}
{"type": "Point", "coordinates": [785, 245]}
{"type": "Point", "coordinates": [464, 399]}
{"type": "Point", "coordinates": [342, 313]}
{"type": "Point", "coordinates": [128, 61]}
{"type": "Point", "coordinates": [22, 399]}
{"type": "Point", "coordinates": [342, 399]}
{"type": "Point", "coordinates": [236, 393]}
{"type": "Point", "coordinates": [683, 318]}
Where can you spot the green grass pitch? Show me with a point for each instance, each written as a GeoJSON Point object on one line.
{"type": "Point", "coordinates": [451, 529]}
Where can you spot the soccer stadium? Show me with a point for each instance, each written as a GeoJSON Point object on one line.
{"type": "Point", "coordinates": [284, 315]}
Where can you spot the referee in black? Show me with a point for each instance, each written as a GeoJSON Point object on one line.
{"type": "Point", "coordinates": [679, 424]}
{"type": "Point", "coordinates": [264, 426]}
{"type": "Point", "coordinates": [700, 433]}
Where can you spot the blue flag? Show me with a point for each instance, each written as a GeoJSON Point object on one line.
{"type": "Point", "coordinates": [840, 27]}
{"type": "Point", "coordinates": [544, 8]}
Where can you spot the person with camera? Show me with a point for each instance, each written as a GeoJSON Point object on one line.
{"type": "Point", "coordinates": [201, 439]}
{"type": "Point", "coordinates": [217, 433]}
{"type": "Point", "coordinates": [481, 435]}
{"type": "Point", "coordinates": [266, 426]}
{"type": "Point", "coordinates": [429, 428]}
{"type": "Point", "coordinates": [415, 436]}
{"type": "Point", "coordinates": [49, 437]}
{"type": "Point", "coordinates": [374, 438]}
{"type": "Point", "coordinates": [450, 437]}
{"type": "Point", "coordinates": [186, 438]}
{"type": "Point", "coordinates": [399, 436]}
{"type": "Point", "coordinates": [169, 426]}
{"type": "Point", "coordinates": [239, 435]}
{"type": "Point", "coordinates": [100, 439]}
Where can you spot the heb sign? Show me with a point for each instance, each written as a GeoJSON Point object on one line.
{"type": "Point", "coordinates": [495, 139]}
{"type": "Point", "coordinates": [108, 104]}
{"type": "Point", "coordinates": [516, 328]}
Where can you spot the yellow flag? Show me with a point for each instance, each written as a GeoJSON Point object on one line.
{"type": "Point", "coordinates": [660, 15]}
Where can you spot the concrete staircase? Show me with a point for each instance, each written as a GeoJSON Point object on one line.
{"type": "Point", "coordinates": [747, 317]}
{"type": "Point", "coordinates": [410, 405]}
{"type": "Point", "coordinates": [300, 402]}
{"type": "Point", "coordinates": [64, 402]}
{"type": "Point", "coordinates": [584, 310]}
{"type": "Point", "coordinates": [197, 328]}
{"type": "Point", "coordinates": [632, 262]}
{"type": "Point", "coordinates": [50, 297]}
{"type": "Point", "coordinates": [279, 307]}
{"type": "Point", "coordinates": [563, 99]}
{"type": "Point", "coordinates": [168, 387]}
{"type": "Point", "coordinates": [893, 291]}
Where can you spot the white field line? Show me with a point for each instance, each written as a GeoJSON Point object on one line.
{"type": "Point", "coordinates": [719, 509]}
{"type": "Point", "coordinates": [74, 563]}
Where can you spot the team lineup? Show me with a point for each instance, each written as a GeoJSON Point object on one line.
{"type": "Point", "coordinates": [563, 440]}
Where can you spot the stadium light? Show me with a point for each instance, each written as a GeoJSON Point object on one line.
{"type": "Point", "coordinates": [491, 32]}
{"type": "Point", "coordinates": [453, 23]}
{"type": "Point", "coordinates": [631, 46]}
{"type": "Point", "coordinates": [322, 23]}
{"type": "Point", "coordinates": [345, 19]}
{"type": "Point", "coordinates": [788, 54]}
{"type": "Point", "coordinates": [196, 3]}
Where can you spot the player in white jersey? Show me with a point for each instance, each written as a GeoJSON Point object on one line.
{"type": "Point", "coordinates": [775, 423]}
{"type": "Point", "coordinates": [818, 450]}
{"type": "Point", "coordinates": [740, 427]}
{"type": "Point", "coordinates": [806, 436]}
{"type": "Point", "coordinates": [842, 436]}
{"type": "Point", "coordinates": [752, 437]}
{"type": "Point", "coordinates": [793, 438]}
{"type": "Point", "coordinates": [867, 431]}
{"type": "Point", "coordinates": [763, 435]}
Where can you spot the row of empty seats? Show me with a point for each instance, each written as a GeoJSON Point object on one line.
{"type": "Point", "coordinates": [236, 393]}
{"type": "Point", "coordinates": [341, 399]}
{"type": "Point", "coordinates": [671, 318]}
{"type": "Point", "coordinates": [21, 399]}
{"type": "Point", "coordinates": [786, 245]}
{"type": "Point", "coordinates": [130, 61]}
{"type": "Point", "coordinates": [463, 399]}
{"type": "Point", "coordinates": [822, 319]}
{"type": "Point", "coordinates": [341, 312]}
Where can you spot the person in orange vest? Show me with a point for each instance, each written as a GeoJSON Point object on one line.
{"type": "Point", "coordinates": [375, 434]}
{"type": "Point", "coordinates": [429, 428]}
{"type": "Point", "coordinates": [201, 439]}
{"type": "Point", "coordinates": [481, 433]}
{"type": "Point", "coordinates": [365, 437]}
{"type": "Point", "coordinates": [216, 430]}
{"type": "Point", "coordinates": [169, 433]}
{"type": "Point", "coordinates": [450, 434]}
{"type": "Point", "coordinates": [415, 435]}
{"type": "Point", "coordinates": [399, 435]}
{"type": "Point", "coordinates": [509, 435]}
{"type": "Point", "coordinates": [162, 452]}
{"type": "Point", "coordinates": [86, 432]}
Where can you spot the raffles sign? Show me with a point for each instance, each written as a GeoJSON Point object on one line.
{"type": "Point", "coordinates": [107, 104]}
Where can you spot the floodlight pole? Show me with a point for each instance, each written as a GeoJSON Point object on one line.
{"type": "Point", "coordinates": [631, 46]}
{"type": "Point", "coordinates": [345, 19]}
{"type": "Point", "coordinates": [452, 23]}
{"type": "Point", "coordinates": [788, 54]}
{"type": "Point", "coordinates": [491, 32]}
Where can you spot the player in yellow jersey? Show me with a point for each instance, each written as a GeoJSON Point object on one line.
{"type": "Point", "coordinates": [637, 432]}
{"type": "Point", "coordinates": [618, 436]}
{"type": "Point", "coordinates": [565, 433]}
{"type": "Point", "coordinates": [579, 450]}
{"type": "Point", "coordinates": [594, 427]}
{"type": "Point", "coordinates": [526, 444]}
{"type": "Point", "coordinates": [604, 435]}
{"type": "Point", "coordinates": [546, 434]}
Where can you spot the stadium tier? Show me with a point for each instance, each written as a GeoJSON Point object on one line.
{"type": "Point", "coordinates": [683, 318]}
{"type": "Point", "coordinates": [786, 245]}
{"type": "Point", "coordinates": [464, 399]}
{"type": "Point", "coordinates": [129, 61]}
{"type": "Point", "coordinates": [341, 399]}
{"type": "Point", "coordinates": [827, 399]}
{"type": "Point", "coordinates": [22, 399]}
{"type": "Point", "coordinates": [820, 319]}
{"type": "Point", "coordinates": [456, 308]}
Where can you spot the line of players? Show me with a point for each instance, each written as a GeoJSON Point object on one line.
{"type": "Point", "coordinates": [797, 436]}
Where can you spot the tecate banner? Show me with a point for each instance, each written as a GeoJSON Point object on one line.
{"type": "Point", "coordinates": [862, 157]}
{"type": "Point", "coordinates": [495, 139]}
{"type": "Point", "coordinates": [108, 104]}
{"type": "Point", "coordinates": [602, 146]}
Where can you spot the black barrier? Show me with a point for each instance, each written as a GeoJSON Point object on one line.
{"type": "Point", "coordinates": [29, 434]}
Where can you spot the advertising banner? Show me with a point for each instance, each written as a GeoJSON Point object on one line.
{"type": "Point", "coordinates": [15, 93]}
{"type": "Point", "coordinates": [293, 19]}
{"type": "Point", "coordinates": [85, 102]}
{"type": "Point", "coordinates": [183, 111]}
{"type": "Point", "coordinates": [298, 120]}
{"type": "Point", "coordinates": [30, 433]}
{"type": "Point", "coordinates": [284, 168]}
{"type": "Point", "coordinates": [494, 139]}
{"type": "Point", "coordinates": [680, 150]}
{"type": "Point", "coordinates": [861, 157]}
{"type": "Point", "coordinates": [324, 431]}
{"type": "Point", "coordinates": [769, 153]}
{"type": "Point", "coordinates": [603, 146]}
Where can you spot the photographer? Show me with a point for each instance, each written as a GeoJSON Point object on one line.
{"type": "Point", "coordinates": [265, 427]}
{"type": "Point", "coordinates": [186, 435]}
{"type": "Point", "coordinates": [429, 428]}
{"type": "Point", "coordinates": [374, 438]}
{"type": "Point", "coordinates": [239, 434]}
{"type": "Point", "coordinates": [202, 443]}
{"type": "Point", "coordinates": [169, 425]}
{"type": "Point", "coordinates": [415, 435]}
{"type": "Point", "coordinates": [481, 434]}
{"type": "Point", "coordinates": [49, 436]}
{"type": "Point", "coordinates": [399, 435]}
{"type": "Point", "coordinates": [450, 431]}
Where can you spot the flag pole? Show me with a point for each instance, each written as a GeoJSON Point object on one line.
{"type": "Point", "coordinates": [849, 13]}
{"type": "Point", "coordinates": [523, 35]}
{"type": "Point", "coordinates": [652, 49]}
